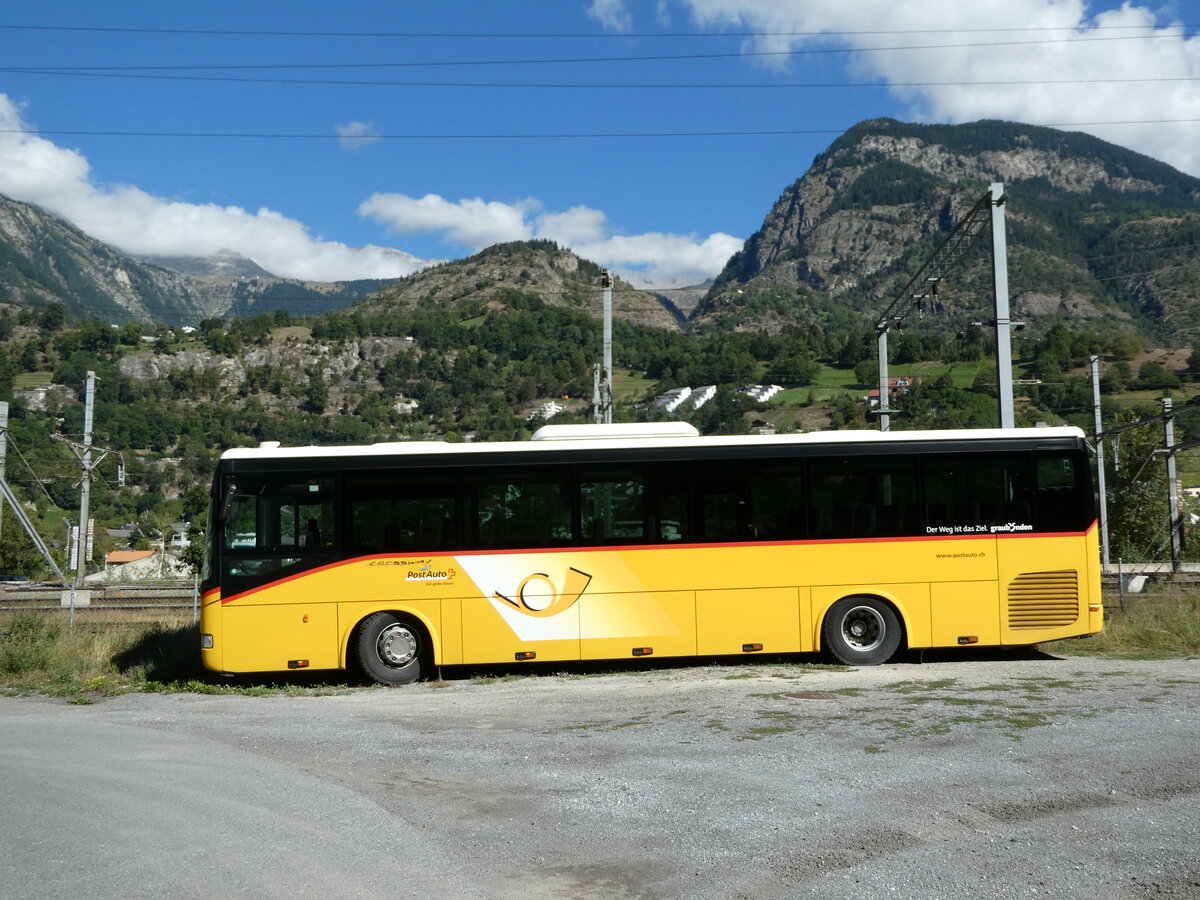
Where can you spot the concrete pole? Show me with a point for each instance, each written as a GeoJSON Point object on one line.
{"type": "Point", "coordinates": [3, 452]}
{"type": "Point", "coordinates": [1172, 487]}
{"type": "Point", "coordinates": [884, 398]}
{"type": "Point", "coordinates": [606, 282]}
{"type": "Point", "coordinates": [1095, 361]}
{"type": "Point", "coordinates": [1004, 379]}
{"type": "Point", "coordinates": [85, 494]}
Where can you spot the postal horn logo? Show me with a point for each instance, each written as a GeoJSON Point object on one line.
{"type": "Point", "coordinates": [537, 595]}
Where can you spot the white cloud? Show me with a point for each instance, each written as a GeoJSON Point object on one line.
{"type": "Point", "coordinates": [356, 135]}
{"type": "Point", "coordinates": [611, 14]}
{"type": "Point", "coordinates": [1082, 48]}
{"type": "Point", "coordinates": [35, 170]}
{"type": "Point", "coordinates": [473, 223]}
{"type": "Point", "coordinates": [651, 259]}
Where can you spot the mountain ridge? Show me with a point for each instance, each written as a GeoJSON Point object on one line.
{"type": "Point", "coordinates": [851, 230]}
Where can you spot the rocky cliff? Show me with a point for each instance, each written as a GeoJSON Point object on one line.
{"type": "Point", "coordinates": [1088, 224]}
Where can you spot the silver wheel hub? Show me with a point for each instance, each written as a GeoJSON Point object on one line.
{"type": "Point", "coordinates": [397, 645]}
{"type": "Point", "coordinates": [863, 628]}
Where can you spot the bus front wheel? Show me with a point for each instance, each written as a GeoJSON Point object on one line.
{"type": "Point", "coordinates": [861, 631]}
{"type": "Point", "coordinates": [389, 649]}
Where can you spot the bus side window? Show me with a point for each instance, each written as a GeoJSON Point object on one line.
{"type": "Point", "coordinates": [777, 504]}
{"type": "Point", "coordinates": [670, 505]}
{"type": "Point", "coordinates": [723, 501]}
{"type": "Point", "coordinates": [859, 497]}
{"type": "Point", "coordinates": [612, 506]}
{"type": "Point", "coordinates": [973, 493]}
{"type": "Point", "coordinates": [409, 512]}
{"type": "Point", "coordinates": [1059, 504]}
{"type": "Point", "coordinates": [520, 510]}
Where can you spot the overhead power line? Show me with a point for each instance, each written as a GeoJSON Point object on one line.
{"type": "Point", "coordinates": [572, 34]}
{"type": "Point", "coordinates": [566, 85]}
{"type": "Point", "coordinates": [568, 60]}
{"type": "Point", "coordinates": [781, 132]}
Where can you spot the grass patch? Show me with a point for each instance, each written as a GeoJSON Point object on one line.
{"type": "Point", "coordinates": [39, 655]}
{"type": "Point", "coordinates": [26, 380]}
{"type": "Point", "coordinates": [1156, 626]}
{"type": "Point", "coordinates": [497, 679]}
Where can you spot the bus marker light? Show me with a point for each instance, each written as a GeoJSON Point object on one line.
{"type": "Point", "coordinates": [526, 654]}
{"type": "Point", "coordinates": [751, 648]}
{"type": "Point", "coordinates": [969, 639]}
{"type": "Point", "coordinates": [1095, 607]}
{"type": "Point", "coordinates": [297, 663]}
{"type": "Point", "coordinates": [206, 642]}
{"type": "Point", "coordinates": [643, 651]}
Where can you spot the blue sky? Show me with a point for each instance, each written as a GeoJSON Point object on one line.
{"type": "Point", "coordinates": [296, 133]}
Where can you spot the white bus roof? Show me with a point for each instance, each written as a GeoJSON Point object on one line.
{"type": "Point", "coordinates": [642, 436]}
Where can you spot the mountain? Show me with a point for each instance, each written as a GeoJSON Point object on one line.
{"type": "Point", "coordinates": [556, 275]}
{"type": "Point", "coordinates": [44, 258]}
{"type": "Point", "coordinates": [226, 263]}
{"type": "Point", "coordinates": [1096, 233]}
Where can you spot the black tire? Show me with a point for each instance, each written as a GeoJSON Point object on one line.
{"type": "Point", "coordinates": [389, 649]}
{"type": "Point", "coordinates": [861, 631]}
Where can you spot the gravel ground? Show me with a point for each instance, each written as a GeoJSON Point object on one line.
{"type": "Point", "coordinates": [1003, 776]}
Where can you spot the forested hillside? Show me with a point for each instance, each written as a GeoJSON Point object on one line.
{"type": "Point", "coordinates": [169, 402]}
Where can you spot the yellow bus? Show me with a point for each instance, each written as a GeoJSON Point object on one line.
{"type": "Point", "coordinates": [610, 542]}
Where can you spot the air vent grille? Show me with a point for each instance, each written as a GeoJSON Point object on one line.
{"type": "Point", "coordinates": [1044, 599]}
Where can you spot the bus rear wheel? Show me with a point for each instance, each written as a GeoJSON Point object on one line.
{"type": "Point", "coordinates": [861, 631]}
{"type": "Point", "coordinates": [389, 649]}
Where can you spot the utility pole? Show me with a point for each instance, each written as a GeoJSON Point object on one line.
{"type": "Point", "coordinates": [3, 452]}
{"type": "Point", "coordinates": [606, 388]}
{"type": "Point", "coordinates": [85, 494]}
{"type": "Point", "coordinates": [1099, 432]}
{"type": "Point", "coordinates": [83, 451]}
{"type": "Point", "coordinates": [1004, 379]}
{"type": "Point", "coordinates": [1172, 485]}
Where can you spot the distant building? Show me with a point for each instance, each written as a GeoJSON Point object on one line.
{"type": "Point", "coordinates": [897, 387]}
{"type": "Point", "coordinates": [140, 565]}
{"type": "Point", "coordinates": [760, 392]}
{"type": "Point", "coordinates": [671, 400]}
{"type": "Point", "coordinates": [547, 410]}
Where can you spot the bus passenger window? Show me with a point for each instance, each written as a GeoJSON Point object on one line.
{"type": "Point", "coordinates": [777, 504]}
{"type": "Point", "coordinates": [976, 494]}
{"type": "Point", "coordinates": [413, 512]}
{"type": "Point", "coordinates": [611, 507]}
{"type": "Point", "coordinates": [521, 510]}
{"type": "Point", "coordinates": [270, 514]}
{"type": "Point", "coordinates": [863, 497]}
{"type": "Point", "coordinates": [1061, 506]}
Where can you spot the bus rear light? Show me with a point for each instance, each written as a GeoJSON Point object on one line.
{"type": "Point", "coordinates": [526, 654]}
{"type": "Point", "coordinates": [297, 663]}
{"type": "Point", "coordinates": [969, 639]}
{"type": "Point", "coordinates": [751, 648]}
{"type": "Point", "coordinates": [206, 642]}
{"type": "Point", "coordinates": [643, 651]}
{"type": "Point", "coordinates": [1095, 607]}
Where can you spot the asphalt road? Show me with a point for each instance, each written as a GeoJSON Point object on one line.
{"type": "Point", "coordinates": [967, 777]}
